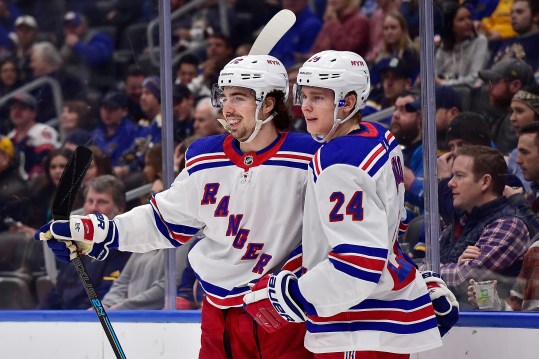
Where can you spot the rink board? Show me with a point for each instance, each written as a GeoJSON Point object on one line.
{"type": "Point", "coordinates": [176, 335]}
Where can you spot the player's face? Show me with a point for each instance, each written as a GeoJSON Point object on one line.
{"type": "Point", "coordinates": [528, 156]}
{"type": "Point", "coordinates": [96, 202]}
{"type": "Point", "coordinates": [466, 190]}
{"type": "Point", "coordinates": [56, 167]}
{"type": "Point", "coordinates": [239, 109]}
{"type": "Point", "coordinates": [318, 106]}
{"type": "Point", "coordinates": [520, 115]}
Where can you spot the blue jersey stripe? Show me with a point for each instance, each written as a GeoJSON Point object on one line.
{"type": "Point", "coordinates": [221, 292]}
{"type": "Point", "coordinates": [183, 230]}
{"type": "Point", "coordinates": [355, 272]}
{"type": "Point", "coordinates": [284, 163]}
{"type": "Point", "coordinates": [368, 251]}
{"type": "Point", "coordinates": [204, 166]}
{"type": "Point", "coordinates": [402, 304]}
{"type": "Point", "coordinates": [163, 229]}
{"type": "Point", "coordinates": [376, 326]}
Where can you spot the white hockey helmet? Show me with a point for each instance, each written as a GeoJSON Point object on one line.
{"type": "Point", "coordinates": [340, 71]}
{"type": "Point", "coordinates": [261, 73]}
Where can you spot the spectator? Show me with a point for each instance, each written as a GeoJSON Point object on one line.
{"type": "Point", "coordinates": [504, 80]}
{"type": "Point", "coordinates": [406, 126]}
{"type": "Point", "coordinates": [24, 37]}
{"type": "Point", "coordinates": [190, 293]}
{"type": "Point", "coordinates": [466, 129]}
{"type": "Point", "coordinates": [13, 188]}
{"type": "Point", "coordinates": [32, 140]}
{"type": "Point", "coordinates": [343, 17]}
{"type": "Point", "coordinates": [46, 61]}
{"type": "Point", "coordinates": [183, 110]}
{"type": "Point", "coordinates": [296, 42]}
{"type": "Point", "coordinates": [397, 44]}
{"type": "Point", "coordinates": [9, 81]}
{"type": "Point", "coordinates": [410, 10]}
{"type": "Point", "coordinates": [462, 52]}
{"type": "Point", "coordinates": [78, 137]}
{"type": "Point", "coordinates": [218, 54]}
{"type": "Point", "coordinates": [376, 27]}
{"type": "Point", "coordinates": [133, 89]}
{"type": "Point", "coordinates": [76, 115]}
{"type": "Point", "coordinates": [298, 122]}
{"type": "Point", "coordinates": [486, 220]}
{"type": "Point", "coordinates": [187, 69]}
{"type": "Point", "coordinates": [448, 105]}
{"type": "Point", "coordinates": [396, 77]}
{"type": "Point", "coordinates": [85, 51]}
{"type": "Point", "coordinates": [493, 18]}
{"type": "Point", "coordinates": [202, 24]}
{"type": "Point", "coordinates": [116, 133]}
{"type": "Point", "coordinates": [106, 195]}
{"type": "Point", "coordinates": [9, 76]}
{"type": "Point", "coordinates": [42, 190]}
{"type": "Point", "coordinates": [524, 110]}
{"type": "Point", "coordinates": [525, 22]}
{"type": "Point", "coordinates": [206, 116]}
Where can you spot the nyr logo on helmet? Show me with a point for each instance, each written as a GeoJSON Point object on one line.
{"type": "Point", "coordinates": [273, 62]}
{"type": "Point", "coordinates": [357, 63]}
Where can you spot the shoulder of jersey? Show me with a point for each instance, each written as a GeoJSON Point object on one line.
{"type": "Point", "coordinates": [367, 149]}
{"type": "Point", "coordinates": [300, 142]}
{"type": "Point", "coordinates": [206, 145]}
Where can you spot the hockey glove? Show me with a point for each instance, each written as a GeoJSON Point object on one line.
{"type": "Point", "coordinates": [443, 300]}
{"type": "Point", "coordinates": [91, 235]}
{"type": "Point", "coordinates": [270, 304]}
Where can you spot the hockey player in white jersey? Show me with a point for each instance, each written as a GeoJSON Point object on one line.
{"type": "Point", "coordinates": [359, 296]}
{"type": "Point", "coordinates": [246, 190]}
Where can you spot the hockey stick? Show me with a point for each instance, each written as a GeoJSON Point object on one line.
{"type": "Point", "coordinates": [66, 192]}
{"type": "Point", "coordinates": [279, 24]}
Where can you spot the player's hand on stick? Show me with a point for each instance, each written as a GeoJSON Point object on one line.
{"type": "Point", "coordinates": [270, 303]}
{"type": "Point", "coordinates": [443, 300]}
{"type": "Point", "coordinates": [91, 235]}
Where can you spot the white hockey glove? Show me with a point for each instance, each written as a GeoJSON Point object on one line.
{"type": "Point", "coordinates": [443, 300]}
{"type": "Point", "coordinates": [270, 304]}
{"type": "Point", "coordinates": [92, 235]}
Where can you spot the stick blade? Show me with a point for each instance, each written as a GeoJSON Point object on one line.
{"type": "Point", "coordinates": [274, 30]}
{"type": "Point", "coordinates": [70, 182]}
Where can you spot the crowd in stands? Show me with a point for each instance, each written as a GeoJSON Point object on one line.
{"type": "Point", "coordinates": [78, 72]}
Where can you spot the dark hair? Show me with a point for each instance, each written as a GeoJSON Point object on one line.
{"type": "Point", "coordinates": [14, 62]}
{"type": "Point", "coordinates": [135, 71]}
{"type": "Point", "coordinates": [155, 158]}
{"type": "Point", "coordinates": [83, 110]}
{"type": "Point", "coordinates": [54, 153]}
{"type": "Point", "coordinates": [533, 4]}
{"type": "Point", "coordinates": [487, 161]}
{"type": "Point", "coordinates": [102, 161]}
{"type": "Point", "coordinates": [108, 184]}
{"type": "Point", "coordinates": [450, 10]}
{"type": "Point", "coordinates": [282, 120]}
{"type": "Point", "coordinates": [531, 128]}
{"type": "Point", "coordinates": [188, 59]}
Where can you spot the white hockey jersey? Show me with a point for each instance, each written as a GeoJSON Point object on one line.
{"type": "Point", "coordinates": [250, 206]}
{"type": "Point", "coordinates": [359, 293]}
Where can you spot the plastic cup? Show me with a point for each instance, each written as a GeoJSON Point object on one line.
{"type": "Point", "coordinates": [485, 294]}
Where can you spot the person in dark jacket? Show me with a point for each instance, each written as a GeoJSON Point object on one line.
{"type": "Point", "coordinates": [104, 194]}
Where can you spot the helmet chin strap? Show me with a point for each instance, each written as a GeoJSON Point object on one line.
{"type": "Point", "coordinates": [336, 123]}
{"type": "Point", "coordinates": [258, 124]}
